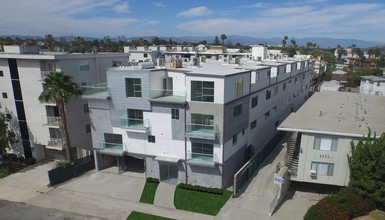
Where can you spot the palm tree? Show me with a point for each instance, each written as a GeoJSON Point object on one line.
{"type": "Point", "coordinates": [60, 88]}
{"type": "Point", "coordinates": [223, 37]}
{"type": "Point", "coordinates": [284, 40]}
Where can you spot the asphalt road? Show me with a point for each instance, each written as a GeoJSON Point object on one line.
{"type": "Point", "coordinates": [20, 211]}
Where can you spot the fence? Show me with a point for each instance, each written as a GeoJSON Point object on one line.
{"type": "Point", "coordinates": [247, 171]}
{"type": "Point", "coordinates": [76, 168]}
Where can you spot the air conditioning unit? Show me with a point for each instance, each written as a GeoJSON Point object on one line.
{"type": "Point", "coordinates": [313, 173]}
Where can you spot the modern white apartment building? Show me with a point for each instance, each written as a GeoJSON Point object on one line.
{"type": "Point", "coordinates": [323, 129]}
{"type": "Point", "coordinates": [196, 124]}
{"type": "Point", "coordinates": [372, 85]}
{"type": "Point", "coordinates": [22, 70]}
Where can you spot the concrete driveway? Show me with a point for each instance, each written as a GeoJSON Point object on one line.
{"type": "Point", "coordinates": [26, 184]}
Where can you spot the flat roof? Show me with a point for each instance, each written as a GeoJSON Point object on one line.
{"type": "Point", "coordinates": [338, 113]}
{"type": "Point", "coordinates": [374, 78]}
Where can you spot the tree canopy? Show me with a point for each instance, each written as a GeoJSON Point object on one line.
{"type": "Point", "coordinates": [367, 168]}
{"type": "Point", "coordinates": [7, 137]}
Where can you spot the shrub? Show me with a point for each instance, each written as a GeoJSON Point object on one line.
{"type": "Point", "coordinates": [201, 188]}
{"type": "Point", "coordinates": [353, 204]}
{"type": "Point", "coordinates": [152, 180]}
{"type": "Point", "coordinates": [11, 157]}
{"type": "Point", "coordinates": [61, 164]}
{"type": "Point", "coordinates": [326, 209]}
{"type": "Point", "coordinates": [30, 161]}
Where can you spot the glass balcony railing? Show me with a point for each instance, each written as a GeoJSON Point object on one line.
{"type": "Point", "coordinates": [168, 95]}
{"type": "Point", "coordinates": [53, 121]}
{"type": "Point", "coordinates": [55, 142]}
{"type": "Point", "coordinates": [98, 91]}
{"type": "Point", "coordinates": [136, 124]}
{"type": "Point", "coordinates": [202, 158]}
{"type": "Point", "coordinates": [111, 146]}
{"type": "Point", "coordinates": [201, 131]}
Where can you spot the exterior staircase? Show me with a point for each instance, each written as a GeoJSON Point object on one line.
{"type": "Point", "coordinates": [292, 154]}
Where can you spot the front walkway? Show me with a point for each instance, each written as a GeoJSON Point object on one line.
{"type": "Point", "coordinates": [165, 195]}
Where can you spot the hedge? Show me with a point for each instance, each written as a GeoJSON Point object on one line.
{"type": "Point", "coordinates": [201, 188]}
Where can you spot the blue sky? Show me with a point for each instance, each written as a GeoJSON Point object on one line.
{"type": "Point", "coordinates": [97, 18]}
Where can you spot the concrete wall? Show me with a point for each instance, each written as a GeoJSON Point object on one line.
{"type": "Point", "coordinates": [205, 176]}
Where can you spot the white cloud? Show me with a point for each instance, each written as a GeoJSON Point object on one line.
{"type": "Point", "coordinates": [122, 8]}
{"type": "Point", "coordinates": [159, 4]}
{"type": "Point", "coordinates": [193, 12]}
{"type": "Point", "coordinates": [256, 5]}
{"type": "Point", "coordinates": [70, 17]}
{"type": "Point", "coordinates": [354, 20]}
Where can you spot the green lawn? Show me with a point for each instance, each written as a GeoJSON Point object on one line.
{"type": "Point", "coordinates": [148, 194]}
{"type": "Point", "coordinates": [142, 216]}
{"type": "Point", "coordinates": [202, 202]}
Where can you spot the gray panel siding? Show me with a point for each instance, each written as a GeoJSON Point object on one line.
{"type": "Point", "coordinates": [100, 120]}
{"type": "Point", "coordinates": [119, 102]}
{"type": "Point", "coordinates": [232, 165]}
{"type": "Point", "coordinates": [234, 125]}
{"type": "Point", "coordinates": [152, 169]}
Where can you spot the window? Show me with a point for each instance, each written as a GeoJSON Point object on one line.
{"type": "Point", "coordinates": [88, 128]}
{"type": "Point", "coordinates": [325, 143]}
{"type": "Point", "coordinates": [237, 110]}
{"type": "Point", "coordinates": [85, 108]}
{"type": "Point", "coordinates": [276, 123]}
{"type": "Point", "coordinates": [84, 66]}
{"type": "Point", "coordinates": [199, 119]}
{"type": "Point", "coordinates": [151, 138]}
{"type": "Point", "coordinates": [284, 86]}
{"type": "Point", "coordinates": [115, 139]}
{"type": "Point", "coordinates": [268, 74]}
{"type": "Point", "coordinates": [267, 114]}
{"type": "Point", "coordinates": [378, 83]}
{"type": "Point", "coordinates": [5, 95]}
{"type": "Point", "coordinates": [238, 87]}
{"type": "Point", "coordinates": [175, 113]}
{"type": "Point", "coordinates": [145, 55]}
{"type": "Point", "coordinates": [202, 151]}
{"type": "Point", "coordinates": [289, 84]}
{"type": "Point", "coordinates": [243, 131]}
{"type": "Point", "coordinates": [1, 73]}
{"type": "Point", "coordinates": [254, 77]}
{"type": "Point", "coordinates": [202, 91]}
{"type": "Point", "coordinates": [135, 113]}
{"type": "Point", "coordinates": [253, 124]}
{"type": "Point", "coordinates": [275, 91]}
{"type": "Point", "coordinates": [235, 139]}
{"type": "Point", "coordinates": [254, 101]}
{"type": "Point", "coordinates": [268, 94]}
{"type": "Point", "coordinates": [295, 80]}
{"type": "Point", "coordinates": [116, 63]}
{"type": "Point", "coordinates": [323, 169]}
{"type": "Point", "coordinates": [273, 110]}
{"type": "Point", "coordinates": [133, 87]}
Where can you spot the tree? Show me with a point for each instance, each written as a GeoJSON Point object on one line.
{"type": "Point", "coordinates": [293, 43]}
{"type": "Point", "coordinates": [367, 168]}
{"type": "Point", "coordinates": [284, 41]}
{"type": "Point", "coordinates": [223, 38]}
{"type": "Point", "coordinates": [7, 137]}
{"type": "Point", "coordinates": [49, 42]}
{"type": "Point", "coordinates": [216, 41]}
{"type": "Point", "coordinates": [60, 88]}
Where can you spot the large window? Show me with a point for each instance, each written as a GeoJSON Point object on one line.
{"type": "Point", "coordinates": [253, 124]}
{"type": "Point", "coordinates": [202, 151]}
{"type": "Point", "coordinates": [202, 91]}
{"type": "Point", "coordinates": [133, 87]}
{"type": "Point", "coordinates": [325, 143]}
{"type": "Point", "coordinates": [135, 113]}
{"type": "Point", "coordinates": [238, 87]}
{"type": "Point", "coordinates": [200, 119]}
{"type": "Point", "coordinates": [268, 94]}
{"type": "Point", "coordinates": [113, 138]}
{"type": "Point", "coordinates": [237, 110]}
{"type": "Point", "coordinates": [323, 169]}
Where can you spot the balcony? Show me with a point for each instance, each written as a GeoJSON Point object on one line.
{"type": "Point", "coordinates": [200, 159]}
{"type": "Point", "coordinates": [55, 143]}
{"type": "Point", "coordinates": [169, 96]}
{"type": "Point", "coordinates": [201, 131]}
{"type": "Point", "coordinates": [111, 148]}
{"type": "Point", "coordinates": [135, 125]}
{"type": "Point", "coordinates": [52, 121]}
{"type": "Point", "coordinates": [96, 91]}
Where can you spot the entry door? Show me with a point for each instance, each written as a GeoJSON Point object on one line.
{"type": "Point", "coordinates": [168, 173]}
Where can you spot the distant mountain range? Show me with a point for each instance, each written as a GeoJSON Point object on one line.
{"type": "Point", "coordinates": [323, 42]}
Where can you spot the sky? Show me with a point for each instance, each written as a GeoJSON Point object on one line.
{"type": "Point", "coordinates": [341, 19]}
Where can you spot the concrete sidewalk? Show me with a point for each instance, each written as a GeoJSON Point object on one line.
{"type": "Point", "coordinates": [26, 184]}
{"type": "Point", "coordinates": [165, 195]}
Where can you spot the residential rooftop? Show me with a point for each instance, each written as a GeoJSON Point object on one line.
{"type": "Point", "coordinates": [338, 113]}
{"type": "Point", "coordinates": [374, 78]}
